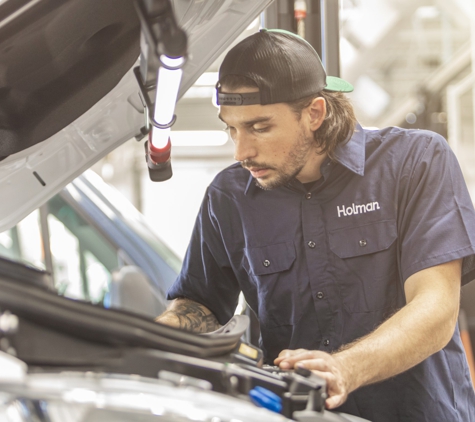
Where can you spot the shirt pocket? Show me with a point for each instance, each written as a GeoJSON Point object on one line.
{"type": "Point", "coordinates": [364, 265]}
{"type": "Point", "coordinates": [271, 270]}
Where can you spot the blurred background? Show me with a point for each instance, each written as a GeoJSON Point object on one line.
{"type": "Point", "coordinates": [409, 60]}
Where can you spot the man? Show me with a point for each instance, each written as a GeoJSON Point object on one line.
{"type": "Point", "coordinates": [351, 245]}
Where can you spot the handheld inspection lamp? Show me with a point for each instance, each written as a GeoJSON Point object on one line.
{"type": "Point", "coordinates": [163, 54]}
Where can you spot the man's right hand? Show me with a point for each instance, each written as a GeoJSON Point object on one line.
{"type": "Point", "coordinates": [189, 315]}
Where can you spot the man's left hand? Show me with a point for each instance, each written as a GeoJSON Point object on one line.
{"type": "Point", "coordinates": [322, 364]}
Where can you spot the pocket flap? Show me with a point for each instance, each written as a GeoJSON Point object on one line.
{"type": "Point", "coordinates": [271, 259]}
{"type": "Point", "coordinates": [363, 240]}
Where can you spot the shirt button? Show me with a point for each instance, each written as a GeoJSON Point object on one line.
{"type": "Point", "coordinates": [266, 263]}
{"type": "Point", "coordinates": [320, 295]}
{"type": "Point", "coordinates": [308, 195]}
{"type": "Point", "coordinates": [326, 342]}
{"type": "Point", "coordinates": [363, 242]}
{"type": "Point", "coordinates": [311, 244]}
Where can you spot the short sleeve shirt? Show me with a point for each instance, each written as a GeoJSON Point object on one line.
{"type": "Point", "coordinates": [325, 266]}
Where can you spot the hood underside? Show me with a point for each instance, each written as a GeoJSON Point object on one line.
{"type": "Point", "coordinates": [59, 57]}
{"type": "Point", "coordinates": [68, 94]}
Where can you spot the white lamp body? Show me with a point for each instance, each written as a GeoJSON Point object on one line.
{"type": "Point", "coordinates": [168, 85]}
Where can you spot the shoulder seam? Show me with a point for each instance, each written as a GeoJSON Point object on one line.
{"type": "Point", "coordinates": [428, 142]}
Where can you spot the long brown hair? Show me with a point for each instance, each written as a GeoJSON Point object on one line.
{"type": "Point", "coordinates": [340, 120]}
{"type": "Point", "coordinates": [339, 123]}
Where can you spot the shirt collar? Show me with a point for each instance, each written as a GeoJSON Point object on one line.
{"type": "Point", "coordinates": [250, 183]}
{"type": "Point", "coordinates": [350, 154]}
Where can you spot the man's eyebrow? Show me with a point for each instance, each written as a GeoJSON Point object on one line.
{"type": "Point", "coordinates": [263, 119]}
{"type": "Point", "coordinates": [252, 122]}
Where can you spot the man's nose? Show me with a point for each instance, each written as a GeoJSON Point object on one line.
{"type": "Point", "coordinates": [244, 147]}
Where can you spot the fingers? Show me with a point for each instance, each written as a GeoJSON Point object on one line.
{"type": "Point", "coordinates": [335, 401]}
{"type": "Point", "coordinates": [287, 359]}
{"type": "Point", "coordinates": [336, 391]}
{"type": "Point", "coordinates": [285, 355]}
{"type": "Point", "coordinates": [321, 364]}
{"type": "Point", "coordinates": [321, 369]}
{"type": "Point", "coordinates": [288, 352]}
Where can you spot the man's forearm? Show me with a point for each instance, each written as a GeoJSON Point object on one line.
{"type": "Point", "coordinates": [397, 345]}
{"type": "Point", "coordinates": [419, 329]}
{"type": "Point", "coordinates": [189, 315]}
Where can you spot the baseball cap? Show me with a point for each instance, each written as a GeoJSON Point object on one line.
{"type": "Point", "coordinates": [284, 66]}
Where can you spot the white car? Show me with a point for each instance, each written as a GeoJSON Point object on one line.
{"type": "Point", "coordinates": [69, 96]}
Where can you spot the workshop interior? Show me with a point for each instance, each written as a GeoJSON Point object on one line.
{"type": "Point", "coordinates": [109, 137]}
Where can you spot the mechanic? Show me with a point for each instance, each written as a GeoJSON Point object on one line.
{"type": "Point", "coordinates": [351, 245]}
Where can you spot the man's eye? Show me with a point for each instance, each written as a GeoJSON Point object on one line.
{"type": "Point", "coordinates": [260, 129]}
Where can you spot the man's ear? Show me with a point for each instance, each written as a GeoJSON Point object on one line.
{"type": "Point", "coordinates": [317, 110]}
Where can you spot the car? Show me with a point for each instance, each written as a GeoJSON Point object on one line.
{"type": "Point", "coordinates": [101, 249]}
{"type": "Point", "coordinates": [68, 96]}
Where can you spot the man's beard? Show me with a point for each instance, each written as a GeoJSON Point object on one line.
{"type": "Point", "coordinates": [281, 179]}
{"type": "Point", "coordinates": [290, 169]}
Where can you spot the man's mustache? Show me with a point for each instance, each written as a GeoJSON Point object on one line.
{"type": "Point", "coordinates": [249, 164]}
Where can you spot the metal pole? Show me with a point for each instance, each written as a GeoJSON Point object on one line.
{"type": "Point", "coordinates": [286, 15]}
{"type": "Point", "coordinates": [331, 36]}
{"type": "Point", "coordinates": [313, 25]}
{"type": "Point", "coordinates": [271, 16]}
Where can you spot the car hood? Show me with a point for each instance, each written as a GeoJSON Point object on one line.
{"type": "Point", "coordinates": [68, 95]}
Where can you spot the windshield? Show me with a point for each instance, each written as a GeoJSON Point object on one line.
{"type": "Point", "coordinates": [106, 196]}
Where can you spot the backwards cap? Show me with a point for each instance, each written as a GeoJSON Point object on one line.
{"type": "Point", "coordinates": [284, 66]}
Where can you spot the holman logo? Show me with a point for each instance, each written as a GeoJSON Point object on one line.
{"type": "Point", "coordinates": [357, 209]}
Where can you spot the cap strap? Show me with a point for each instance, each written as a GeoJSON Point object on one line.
{"type": "Point", "coordinates": [248, 98]}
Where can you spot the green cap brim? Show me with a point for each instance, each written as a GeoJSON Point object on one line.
{"type": "Point", "coordinates": [337, 84]}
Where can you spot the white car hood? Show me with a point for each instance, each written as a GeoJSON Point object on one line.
{"type": "Point", "coordinates": [29, 177]}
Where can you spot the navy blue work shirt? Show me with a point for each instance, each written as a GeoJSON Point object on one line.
{"type": "Point", "coordinates": [326, 266]}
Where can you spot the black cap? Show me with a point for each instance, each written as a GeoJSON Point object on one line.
{"type": "Point", "coordinates": [283, 65]}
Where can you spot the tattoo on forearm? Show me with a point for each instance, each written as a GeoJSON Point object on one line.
{"type": "Point", "coordinates": [193, 316]}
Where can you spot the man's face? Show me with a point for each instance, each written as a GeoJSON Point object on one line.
{"type": "Point", "coordinates": [272, 143]}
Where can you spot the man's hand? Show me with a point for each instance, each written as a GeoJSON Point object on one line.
{"type": "Point", "coordinates": [189, 315]}
{"type": "Point", "coordinates": [322, 364]}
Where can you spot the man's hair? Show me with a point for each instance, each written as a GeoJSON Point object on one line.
{"type": "Point", "coordinates": [338, 125]}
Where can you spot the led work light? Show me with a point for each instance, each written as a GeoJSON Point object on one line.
{"type": "Point", "coordinates": [163, 54]}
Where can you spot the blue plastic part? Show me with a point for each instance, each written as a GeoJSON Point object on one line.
{"type": "Point", "coordinates": [265, 398]}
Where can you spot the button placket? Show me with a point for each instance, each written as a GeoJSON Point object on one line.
{"type": "Point", "coordinates": [320, 283]}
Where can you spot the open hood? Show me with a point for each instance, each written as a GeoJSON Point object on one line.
{"type": "Point", "coordinates": [68, 95]}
